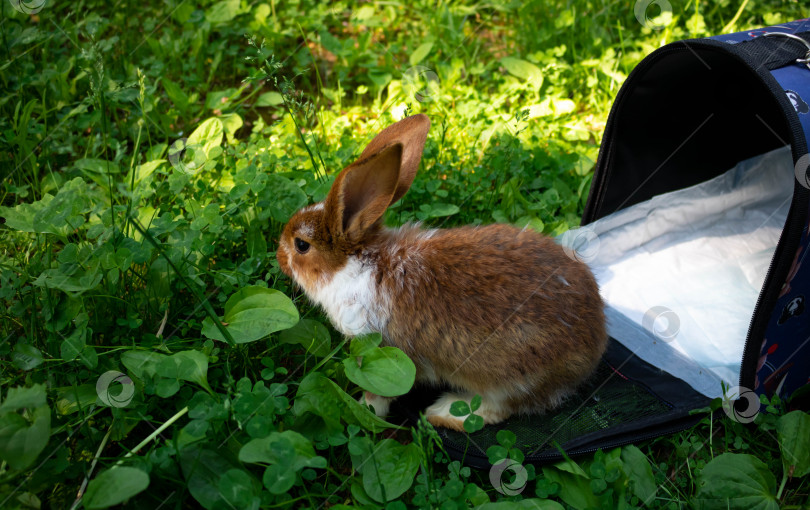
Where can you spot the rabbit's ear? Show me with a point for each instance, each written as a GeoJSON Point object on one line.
{"type": "Point", "coordinates": [362, 192]}
{"type": "Point", "coordinates": [411, 132]}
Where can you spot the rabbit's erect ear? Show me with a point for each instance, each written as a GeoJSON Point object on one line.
{"type": "Point", "coordinates": [411, 132]}
{"type": "Point", "coordinates": [363, 191]}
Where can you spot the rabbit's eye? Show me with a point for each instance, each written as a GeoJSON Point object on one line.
{"type": "Point", "coordinates": [301, 246]}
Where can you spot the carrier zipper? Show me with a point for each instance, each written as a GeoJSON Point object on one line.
{"type": "Point", "coordinates": [779, 264]}
{"type": "Point", "coordinates": [623, 442]}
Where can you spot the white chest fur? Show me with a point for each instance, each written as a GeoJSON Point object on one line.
{"type": "Point", "coordinates": [351, 300]}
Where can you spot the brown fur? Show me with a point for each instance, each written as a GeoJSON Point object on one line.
{"type": "Point", "coordinates": [488, 307]}
{"type": "Point", "coordinates": [492, 310]}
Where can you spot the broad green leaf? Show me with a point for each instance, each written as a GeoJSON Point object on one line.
{"type": "Point", "coordinates": [637, 467]}
{"type": "Point", "coordinates": [256, 244]}
{"type": "Point", "coordinates": [222, 12]}
{"type": "Point", "coordinates": [67, 310]}
{"type": "Point", "coordinates": [523, 70]}
{"type": "Point", "coordinates": [574, 490]}
{"type": "Point", "coordinates": [793, 432]}
{"type": "Point", "coordinates": [532, 222]}
{"type": "Point", "coordinates": [386, 371]}
{"type": "Point", "coordinates": [71, 399]}
{"type": "Point", "coordinates": [188, 158]}
{"type": "Point", "coordinates": [287, 197]}
{"type": "Point", "coordinates": [287, 453]}
{"type": "Point", "coordinates": [364, 344]}
{"type": "Point", "coordinates": [219, 99]}
{"type": "Point", "coordinates": [141, 364]}
{"type": "Point", "coordinates": [301, 453]}
{"type": "Point", "coordinates": [189, 366]}
{"type": "Point", "coordinates": [440, 210]}
{"type": "Point", "coordinates": [231, 122]}
{"type": "Point", "coordinates": [359, 494]}
{"type": "Point", "coordinates": [278, 478]}
{"type": "Point", "coordinates": [310, 334]}
{"type": "Point", "coordinates": [63, 213]}
{"type": "Point", "coordinates": [736, 481]}
{"type": "Point", "coordinates": [176, 94]}
{"type": "Point", "coordinates": [387, 466]}
{"type": "Point", "coordinates": [269, 99]}
{"type": "Point", "coordinates": [568, 465]}
{"type": "Point", "coordinates": [100, 166]}
{"type": "Point", "coordinates": [75, 283]}
{"type": "Point", "coordinates": [159, 279]}
{"type": "Point", "coordinates": [26, 356]}
{"type": "Point", "coordinates": [21, 217]}
{"type": "Point", "coordinates": [261, 13]}
{"type": "Point", "coordinates": [89, 356]}
{"type": "Point", "coordinates": [73, 344]}
{"type": "Point", "coordinates": [20, 441]}
{"type": "Point", "coordinates": [22, 397]}
{"type": "Point", "coordinates": [145, 170]}
{"type": "Point", "coordinates": [420, 53]}
{"type": "Point", "coordinates": [319, 395]}
{"type": "Point", "coordinates": [202, 470]}
{"type": "Point", "coordinates": [24, 436]}
{"type": "Point", "coordinates": [236, 487]}
{"type": "Point", "coordinates": [207, 135]}
{"type": "Point", "coordinates": [253, 313]}
{"type": "Point", "coordinates": [114, 486]}
{"type": "Point", "coordinates": [98, 170]}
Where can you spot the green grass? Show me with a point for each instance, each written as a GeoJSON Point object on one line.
{"type": "Point", "coordinates": [121, 251]}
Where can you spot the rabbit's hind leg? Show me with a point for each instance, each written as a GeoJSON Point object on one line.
{"type": "Point", "coordinates": [493, 409]}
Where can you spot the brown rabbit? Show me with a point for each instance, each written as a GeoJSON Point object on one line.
{"type": "Point", "coordinates": [494, 310]}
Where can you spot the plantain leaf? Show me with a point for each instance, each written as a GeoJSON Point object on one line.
{"type": "Point", "coordinates": [253, 313]}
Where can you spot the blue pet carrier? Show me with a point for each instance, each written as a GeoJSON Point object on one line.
{"type": "Point", "coordinates": [697, 229]}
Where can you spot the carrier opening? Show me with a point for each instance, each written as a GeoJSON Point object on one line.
{"type": "Point", "coordinates": [694, 186]}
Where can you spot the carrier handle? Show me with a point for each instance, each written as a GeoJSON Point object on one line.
{"type": "Point", "coordinates": [771, 54]}
{"type": "Point", "coordinates": [806, 59]}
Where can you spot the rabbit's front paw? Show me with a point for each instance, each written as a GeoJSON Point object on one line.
{"type": "Point", "coordinates": [379, 404]}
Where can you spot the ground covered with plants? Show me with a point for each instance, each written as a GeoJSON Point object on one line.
{"type": "Point", "coordinates": [152, 355]}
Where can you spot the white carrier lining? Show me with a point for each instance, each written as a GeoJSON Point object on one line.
{"type": "Point", "coordinates": [702, 252]}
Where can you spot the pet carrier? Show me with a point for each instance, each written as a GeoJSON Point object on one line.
{"type": "Point", "coordinates": [696, 228]}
